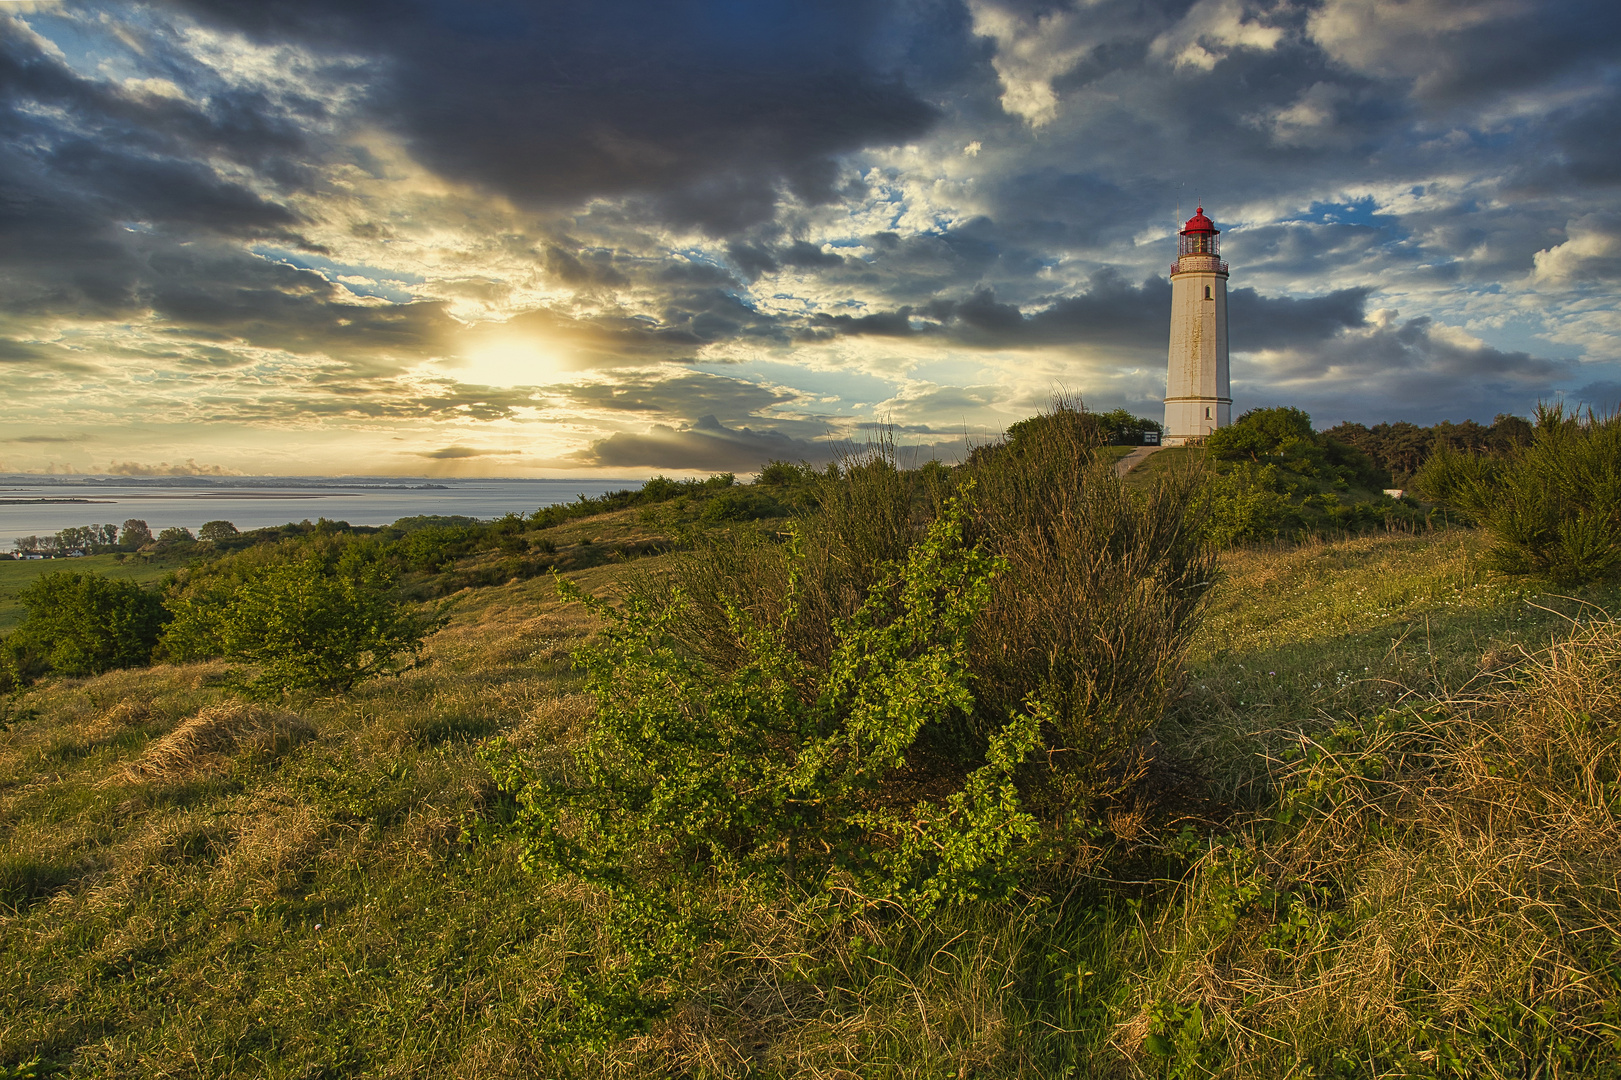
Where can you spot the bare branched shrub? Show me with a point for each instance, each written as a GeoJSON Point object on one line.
{"type": "Point", "coordinates": [207, 741]}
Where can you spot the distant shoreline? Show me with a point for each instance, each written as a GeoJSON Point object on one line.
{"type": "Point", "coordinates": [39, 502]}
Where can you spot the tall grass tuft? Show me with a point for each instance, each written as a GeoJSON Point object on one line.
{"type": "Point", "coordinates": [1554, 508]}
{"type": "Point", "coordinates": [1437, 888]}
{"type": "Point", "coordinates": [1102, 591]}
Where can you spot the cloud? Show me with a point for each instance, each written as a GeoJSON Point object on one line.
{"type": "Point", "coordinates": [1210, 31]}
{"type": "Point", "coordinates": [44, 439]}
{"type": "Point", "coordinates": [1413, 369]}
{"type": "Point", "coordinates": [706, 445]}
{"type": "Point", "coordinates": [189, 467]}
{"type": "Point", "coordinates": [456, 453]}
{"type": "Point", "coordinates": [1111, 313]}
{"type": "Point", "coordinates": [711, 113]}
{"type": "Point", "coordinates": [1591, 254]}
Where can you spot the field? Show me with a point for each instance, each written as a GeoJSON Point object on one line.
{"type": "Point", "coordinates": [15, 575]}
{"type": "Point", "coordinates": [195, 888]}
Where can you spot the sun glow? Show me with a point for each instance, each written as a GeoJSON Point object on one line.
{"type": "Point", "coordinates": [507, 360]}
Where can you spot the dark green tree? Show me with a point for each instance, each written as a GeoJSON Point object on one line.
{"type": "Point", "coordinates": [84, 624]}
{"type": "Point", "coordinates": [216, 530]}
{"type": "Point", "coordinates": [135, 534]}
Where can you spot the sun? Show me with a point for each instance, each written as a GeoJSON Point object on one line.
{"type": "Point", "coordinates": [506, 360]}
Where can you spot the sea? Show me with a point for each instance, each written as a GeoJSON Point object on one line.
{"type": "Point", "coordinates": [40, 505]}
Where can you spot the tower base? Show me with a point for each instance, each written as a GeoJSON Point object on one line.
{"type": "Point", "coordinates": [1189, 420]}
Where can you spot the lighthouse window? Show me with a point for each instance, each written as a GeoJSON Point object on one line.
{"type": "Point", "coordinates": [1207, 292]}
{"type": "Point", "coordinates": [1207, 408]}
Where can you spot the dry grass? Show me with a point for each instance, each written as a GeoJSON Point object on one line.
{"type": "Point", "coordinates": [1445, 887]}
{"type": "Point", "coordinates": [206, 742]}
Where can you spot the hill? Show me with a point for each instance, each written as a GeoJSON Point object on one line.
{"type": "Point", "coordinates": [197, 888]}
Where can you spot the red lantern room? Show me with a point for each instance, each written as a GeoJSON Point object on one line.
{"type": "Point", "coordinates": [1199, 236]}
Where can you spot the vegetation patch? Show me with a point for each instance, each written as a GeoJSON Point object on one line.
{"type": "Point", "coordinates": [207, 741]}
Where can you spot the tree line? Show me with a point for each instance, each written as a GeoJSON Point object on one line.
{"type": "Point", "coordinates": [1401, 448]}
{"type": "Point", "coordinates": [106, 539]}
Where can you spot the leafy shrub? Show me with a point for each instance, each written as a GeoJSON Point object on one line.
{"type": "Point", "coordinates": [774, 771]}
{"type": "Point", "coordinates": [1119, 427]}
{"type": "Point", "coordinates": [925, 696]}
{"type": "Point", "coordinates": [321, 619]}
{"type": "Point", "coordinates": [776, 765]}
{"type": "Point", "coordinates": [83, 624]}
{"type": "Point", "coordinates": [1554, 508]}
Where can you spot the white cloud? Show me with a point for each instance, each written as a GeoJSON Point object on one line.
{"type": "Point", "coordinates": [1309, 120]}
{"type": "Point", "coordinates": [1398, 37]}
{"type": "Point", "coordinates": [1210, 32]}
{"type": "Point", "coordinates": [1030, 54]}
{"type": "Point", "coordinates": [1592, 252]}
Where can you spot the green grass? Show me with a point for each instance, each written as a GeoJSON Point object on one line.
{"type": "Point", "coordinates": [16, 574]}
{"type": "Point", "coordinates": [332, 910]}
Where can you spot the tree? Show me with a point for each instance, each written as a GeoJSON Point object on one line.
{"type": "Point", "coordinates": [175, 534]}
{"type": "Point", "coordinates": [323, 620]}
{"type": "Point", "coordinates": [135, 534]}
{"type": "Point", "coordinates": [217, 530]}
{"type": "Point", "coordinates": [84, 624]}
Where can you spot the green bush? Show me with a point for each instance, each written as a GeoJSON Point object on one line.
{"type": "Point", "coordinates": [323, 619]}
{"type": "Point", "coordinates": [930, 694]}
{"type": "Point", "coordinates": [1554, 508]}
{"type": "Point", "coordinates": [772, 772]}
{"type": "Point", "coordinates": [82, 624]}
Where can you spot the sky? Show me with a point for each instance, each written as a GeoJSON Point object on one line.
{"type": "Point", "coordinates": [502, 238]}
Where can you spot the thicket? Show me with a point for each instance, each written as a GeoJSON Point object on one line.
{"type": "Point", "coordinates": [924, 693]}
{"type": "Point", "coordinates": [1401, 448]}
{"type": "Point", "coordinates": [728, 501]}
{"type": "Point", "coordinates": [87, 540]}
{"type": "Point", "coordinates": [1553, 507]}
{"type": "Point", "coordinates": [1121, 428]}
{"type": "Point", "coordinates": [1275, 478]}
{"type": "Point", "coordinates": [81, 624]}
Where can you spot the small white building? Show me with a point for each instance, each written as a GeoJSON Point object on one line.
{"type": "Point", "coordinates": [1198, 397]}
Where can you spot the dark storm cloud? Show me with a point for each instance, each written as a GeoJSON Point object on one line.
{"type": "Point", "coordinates": [707, 444]}
{"type": "Point", "coordinates": [705, 110]}
{"type": "Point", "coordinates": [273, 305]}
{"type": "Point", "coordinates": [1602, 396]}
{"type": "Point", "coordinates": [1408, 370]}
{"type": "Point", "coordinates": [689, 394]}
{"type": "Point", "coordinates": [99, 181]}
{"type": "Point", "coordinates": [1113, 312]}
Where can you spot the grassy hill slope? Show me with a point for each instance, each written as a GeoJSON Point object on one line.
{"type": "Point", "coordinates": [327, 900]}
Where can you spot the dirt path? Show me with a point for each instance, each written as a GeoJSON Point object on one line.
{"type": "Point", "coordinates": [1134, 459]}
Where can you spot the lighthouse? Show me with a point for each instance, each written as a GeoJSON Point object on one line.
{"type": "Point", "coordinates": [1198, 399]}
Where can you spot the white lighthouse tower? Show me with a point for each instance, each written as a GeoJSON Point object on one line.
{"type": "Point", "coordinates": [1198, 399]}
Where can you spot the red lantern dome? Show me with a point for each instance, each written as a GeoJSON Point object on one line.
{"type": "Point", "coordinates": [1199, 237]}
{"type": "Point", "coordinates": [1198, 223]}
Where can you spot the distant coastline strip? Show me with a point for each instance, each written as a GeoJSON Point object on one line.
{"type": "Point", "coordinates": [38, 502]}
